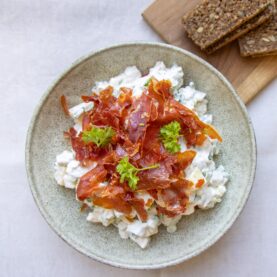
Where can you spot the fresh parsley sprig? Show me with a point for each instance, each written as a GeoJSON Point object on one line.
{"type": "Point", "coordinates": [128, 172]}
{"type": "Point", "coordinates": [170, 134]}
{"type": "Point", "coordinates": [147, 82]}
{"type": "Point", "coordinates": [100, 136]}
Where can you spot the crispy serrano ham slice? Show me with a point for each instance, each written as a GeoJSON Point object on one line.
{"type": "Point", "coordinates": [137, 123]}
{"type": "Point", "coordinates": [90, 182]}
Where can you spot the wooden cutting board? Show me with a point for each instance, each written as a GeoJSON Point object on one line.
{"type": "Point", "coordinates": [248, 75]}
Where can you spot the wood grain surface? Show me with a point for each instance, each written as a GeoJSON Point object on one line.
{"type": "Point", "coordinates": [248, 75]}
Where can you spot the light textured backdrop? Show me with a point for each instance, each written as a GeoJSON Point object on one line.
{"type": "Point", "coordinates": [38, 40]}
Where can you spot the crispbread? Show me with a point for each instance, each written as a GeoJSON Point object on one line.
{"type": "Point", "coordinates": [211, 20]}
{"type": "Point", "coordinates": [253, 23]}
{"type": "Point", "coordinates": [262, 41]}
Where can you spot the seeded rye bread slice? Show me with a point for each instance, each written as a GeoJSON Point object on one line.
{"type": "Point", "coordinates": [262, 41]}
{"type": "Point", "coordinates": [253, 23]}
{"type": "Point", "coordinates": [211, 20]}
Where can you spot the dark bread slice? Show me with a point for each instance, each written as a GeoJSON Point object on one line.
{"type": "Point", "coordinates": [211, 20]}
{"type": "Point", "coordinates": [252, 24]}
{"type": "Point", "coordinates": [270, 53]}
{"type": "Point", "coordinates": [262, 41]}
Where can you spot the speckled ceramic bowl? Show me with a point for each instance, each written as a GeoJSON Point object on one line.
{"type": "Point", "coordinates": [196, 232]}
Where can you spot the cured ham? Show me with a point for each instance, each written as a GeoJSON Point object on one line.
{"type": "Point", "coordinates": [64, 105]}
{"type": "Point", "coordinates": [136, 123]}
{"type": "Point", "coordinates": [90, 182]}
{"type": "Point", "coordinates": [139, 118]}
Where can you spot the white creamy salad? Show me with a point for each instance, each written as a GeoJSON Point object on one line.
{"type": "Point", "coordinates": [68, 170]}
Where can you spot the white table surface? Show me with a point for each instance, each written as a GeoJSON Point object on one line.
{"type": "Point", "coordinates": [38, 40]}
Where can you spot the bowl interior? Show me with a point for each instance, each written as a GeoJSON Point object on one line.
{"type": "Point", "coordinates": [196, 232]}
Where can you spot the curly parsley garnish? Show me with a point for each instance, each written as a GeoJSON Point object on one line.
{"type": "Point", "coordinates": [147, 82]}
{"type": "Point", "coordinates": [170, 134]}
{"type": "Point", "coordinates": [100, 136]}
{"type": "Point", "coordinates": [128, 172]}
